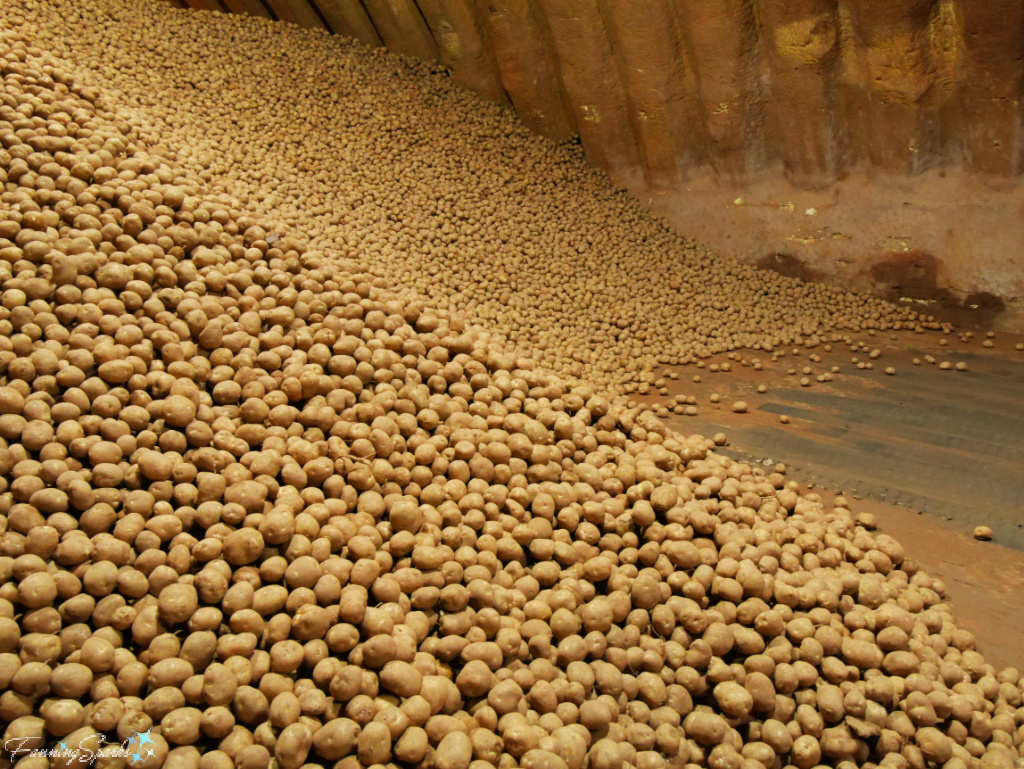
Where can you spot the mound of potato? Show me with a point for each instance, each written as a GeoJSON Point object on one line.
{"type": "Point", "coordinates": [268, 511]}
{"type": "Point", "coordinates": [381, 160]}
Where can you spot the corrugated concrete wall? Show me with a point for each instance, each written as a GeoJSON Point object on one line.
{"type": "Point", "coordinates": [812, 88]}
{"type": "Point", "coordinates": [872, 143]}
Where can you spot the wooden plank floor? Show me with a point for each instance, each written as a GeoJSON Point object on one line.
{"type": "Point", "coordinates": [931, 453]}
{"type": "Point", "coordinates": [944, 443]}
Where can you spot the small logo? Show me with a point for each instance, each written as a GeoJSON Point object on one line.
{"type": "Point", "coordinates": [143, 748]}
{"type": "Point", "coordinates": [17, 747]}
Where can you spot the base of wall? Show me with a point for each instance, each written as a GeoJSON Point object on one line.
{"type": "Point", "coordinates": [949, 244]}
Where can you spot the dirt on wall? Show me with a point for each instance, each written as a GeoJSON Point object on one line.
{"type": "Point", "coordinates": [898, 122]}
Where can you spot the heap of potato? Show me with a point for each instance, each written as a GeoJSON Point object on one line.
{"type": "Point", "coordinates": [380, 159]}
{"type": "Point", "coordinates": [259, 508]}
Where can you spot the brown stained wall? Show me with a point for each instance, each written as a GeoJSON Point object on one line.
{"type": "Point", "coordinates": [801, 46]}
{"type": "Point", "coordinates": [656, 71]}
{"type": "Point", "coordinates": [814, 88]}
{"type": "Point", "coordinates": [349, 18]}
{"type": "Point", "coordinates": [527, 64]}
{"type": "Point", "coordinates": [706, 102]}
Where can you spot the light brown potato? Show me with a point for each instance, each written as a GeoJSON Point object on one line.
{"type": "Point", "coordinates": [293, 746]}
{"type": "Point", "coordinates": [733, 699]}
{"type": "Point", "coordinates": [454, 751]}
{"type": "Point", "coordinates": [336, 739]}
{"type": "Point", "coordinates": [373, 745]}
{"type": "Point", "coordinates": [704, 727]}
{"type": "Point", "coordinates": [177, 603]}
{"type": "Point", "coordinates": [37, 590]}
{"type": "Point", "coordinates": [182, 726]}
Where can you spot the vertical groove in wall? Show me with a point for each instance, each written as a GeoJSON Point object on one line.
{"type": "Point", "coordinates": [592, 83]}
{"type": "Point", "coordinates": [349, 18]}
{"type": "Point", "coordinates": [696, 141]}
{"type": "Point", "coordinates": [269, 10]}
{"type": "Point", "coordinates": [754, 74]}
{"type": "Point", "coordinates": [540, 19]}
{"type": "Point", "coordinates": [320, 15]}
{"type": "Point", "coordinates": [440, 30]}
{"type": "Point", "coordinates": [402, 28]}
{"type": "Point", "coordinates": [892, 103]}
{"type": "Point", "coordinates": [720, 44]}
{"type": "Point", "coordinates": [945, 42]}
{"type": "Point", "coordinates": [989, 91]}
{"type": "Point", "coordinates": [411, 9]}
{"type": "Point", "coordinates": [645, 61]}
{"type": "Point", "coordinates": [681, 93]}
{"type": "Point", "coordinates": [801, 39]}
{"type": "Point", "coordinates": [476, 44]}
{"type": "Point", "coordinates": [251, 7]}
{"type": "Point", "coordinates": [461, 47]}
{"type": "Point", "coordinates": [297, 12]}
{"type": "Point", "coordinates": [526, 65]}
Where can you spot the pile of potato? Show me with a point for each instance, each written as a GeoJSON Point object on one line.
{"type": "Point", "coordinates": [264, 509]}
{"type": "Point", "coordinates": [381, 160]}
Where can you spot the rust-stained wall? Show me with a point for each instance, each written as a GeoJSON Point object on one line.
{"type": "Point", "coordinates": [691, 103]}
{"type": "Point", "coordinates": [809, 88]}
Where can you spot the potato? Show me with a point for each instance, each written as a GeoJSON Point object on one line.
{"type": "Point", "coordinates": [219, 685]}
{"type": "Point", "coordinates": [475, 679]}
{"type": "Point", "coordinates": [806, 751]}
{"type": "Point", "coordinates": [373, 745]}
{"type": "Point", "coordinates": [25, 733]}
{"type": "Point", "coordinates": [454, 751]}
{"type": "Point", "coordinates": [181, 726]}
{"type": "Point", "coordinates": [177, 603]}
{"type": "Point", "coordinates": [37, 590]}
{"type": "Point", "coordinates": [32, 679]}
{"type": "Point", "coordinates": [97, 654]}
{"type": "Point", "coordinates": [284, 710]}
{"type": "Point", "coordinates": [336, 739]}
{"type": "Point", "coordinates": [293, 746]}
{"type": "Point", "coordinates": [934, 745]}
{"type": "Point", "coordinates": [604, 754]}
{"type": "Point", "coordinates": [733, 699]}
{"type": "Point", "coordinates": [217, 721]}
{"type": "Point", "coordinates": [243, 546]}
{"type": "Point", "coordinates": [704, 727]}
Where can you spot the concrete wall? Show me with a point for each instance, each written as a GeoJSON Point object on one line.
{"type": "Point", "coordinates": [838, 139]}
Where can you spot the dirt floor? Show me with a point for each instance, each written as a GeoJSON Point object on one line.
{"type": "Point", "coordinates": [932, 452]}
{"type": "Point", "coordinates": [942, 239]}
